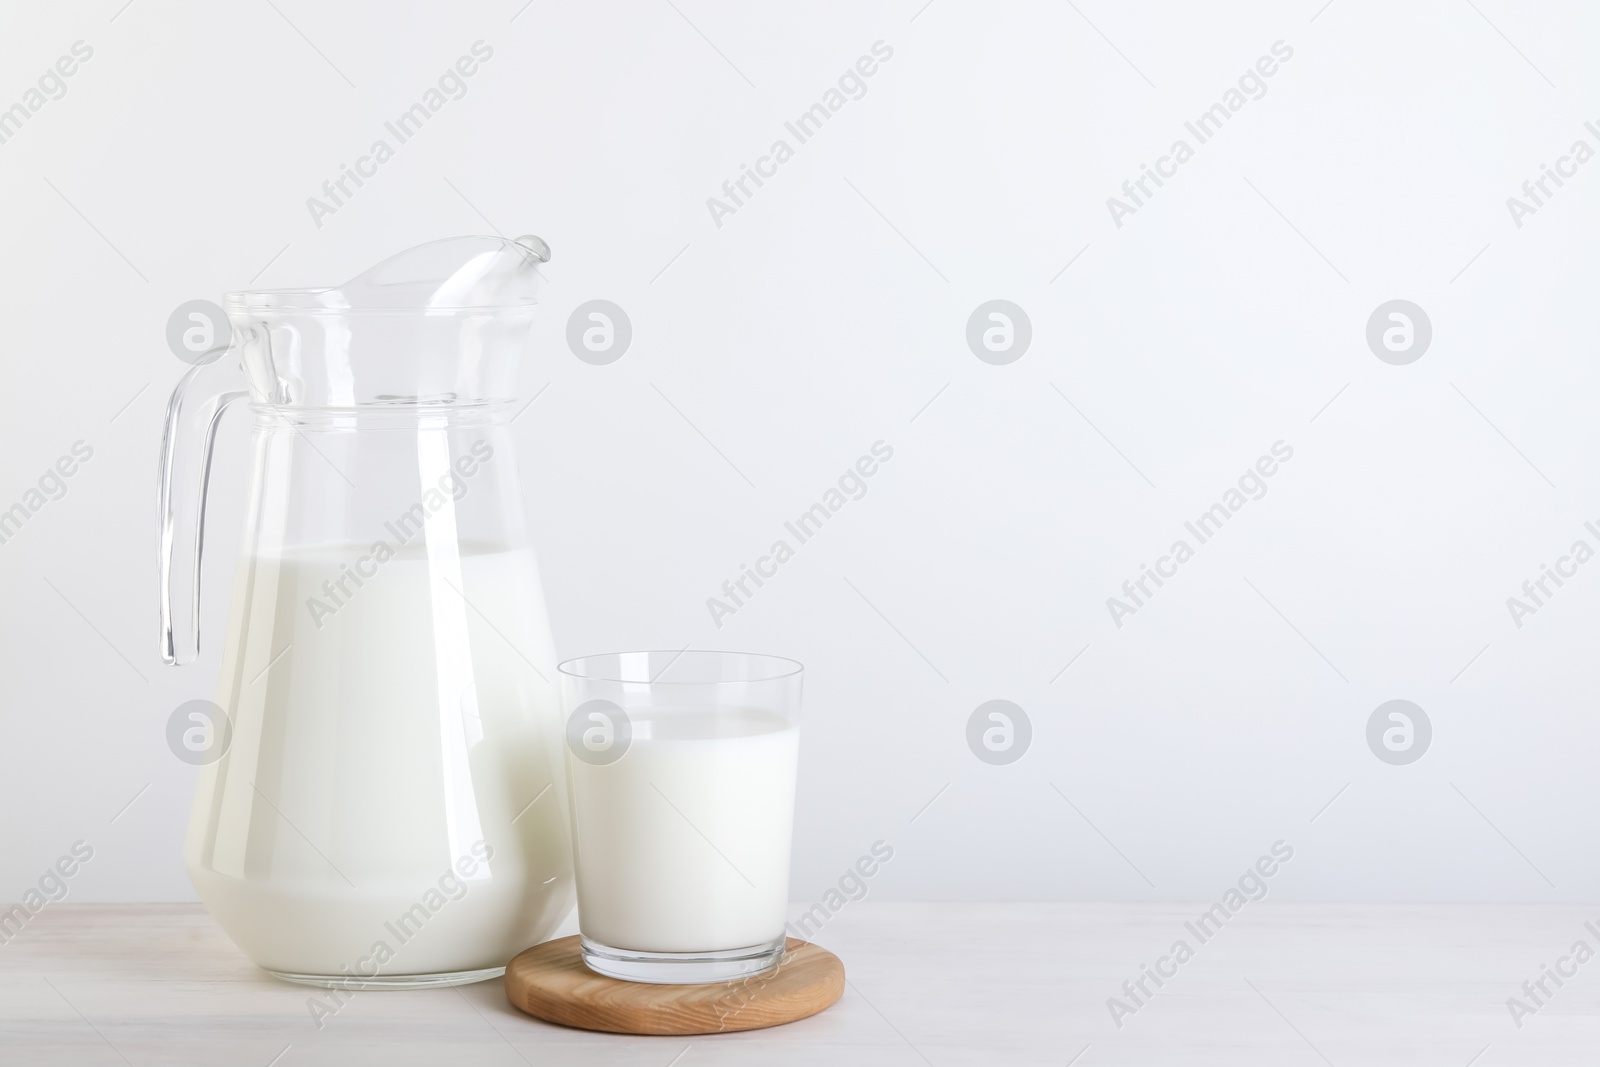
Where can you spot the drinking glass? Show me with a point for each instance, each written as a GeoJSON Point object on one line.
{"type": "Point", "coordinates": [681, 775]}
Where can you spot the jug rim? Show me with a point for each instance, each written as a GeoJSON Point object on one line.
{"type": "Point", "coordinates": [305, 302]}
{"type": "Point", "coordinates": [414, 281]}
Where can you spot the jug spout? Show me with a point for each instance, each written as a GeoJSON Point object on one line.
{"type": "Point", "coordinates": [455, 273]}
{"type": "Point", "coordinates": [441, 323]}
{"type": "Point", "coordinates": [536, 245]}
{"type": "Point", "coordinates": [451, 274]}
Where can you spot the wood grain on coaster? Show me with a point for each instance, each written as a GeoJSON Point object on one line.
{"type": "Point", "coordinates": [550, 982]}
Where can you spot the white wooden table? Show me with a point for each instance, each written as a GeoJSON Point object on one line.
{"type": "Point", "coordinates": [1280, 984]}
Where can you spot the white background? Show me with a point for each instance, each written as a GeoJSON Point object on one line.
{"type": "Point", "coordinates": [822, 317]}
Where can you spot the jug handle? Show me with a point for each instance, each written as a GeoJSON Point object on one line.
{"type": "Point", "coordinates": [193, 414]}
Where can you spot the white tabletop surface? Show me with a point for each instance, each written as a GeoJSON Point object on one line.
{"type": "Point", "coordinates": [1280, 984]}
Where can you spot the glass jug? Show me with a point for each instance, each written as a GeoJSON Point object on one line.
{"type": "Point", "coordinates": [387, 807]}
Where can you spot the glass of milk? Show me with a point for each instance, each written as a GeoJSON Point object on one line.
{"type": "Point", "coordinates": [681, 776]}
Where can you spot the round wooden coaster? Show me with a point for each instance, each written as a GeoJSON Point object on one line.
{"type": "Point", "coordinates": [550, 982]}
